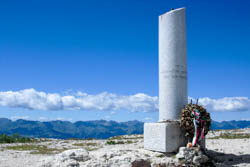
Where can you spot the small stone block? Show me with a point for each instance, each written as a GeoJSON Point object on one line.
{"type": "Point", "coordinates": [163, 136]}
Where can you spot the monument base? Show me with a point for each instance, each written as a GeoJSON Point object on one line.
{"type": "Point", "coordinates": [164, 136]}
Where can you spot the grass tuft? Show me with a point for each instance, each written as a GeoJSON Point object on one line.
{"type": "Point", "coordinates": [160, 156]}
{"type": "Point", "coordinates": [232, 136]}
{"type": "Point", "coordinates": [125, 138]}
{"type": "Point", "coordinates": [35, 149]}
{"type": "Point", "coordinates": [112, 142]}
{"type": "Point", "coordinates": [85, 144]}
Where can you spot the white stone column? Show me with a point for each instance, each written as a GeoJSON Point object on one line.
{"type": "Point", "coordinates": [166, 135]}
{"type": "Point", "coordinates": [172, 64]}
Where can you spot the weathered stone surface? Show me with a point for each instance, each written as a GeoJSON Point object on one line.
{"type": "Point", "coordinates": [163, 137]}
{"type": "Point", "coordinates": [221, 152]}
{"type": "Point", "coordinates": [197, 160]}
{"type": "Point", "coordinates": [192, 156]}
{"type": "Point", "coordinates": [76, 154]}
{"type": "Point", "coordinates": [166, 136]}
{"type": "Point", "coordinates": [69, 158]}
{"type": "Point", "coordinates": [58, 162]}
{"type": "Point", "coordinates": [141, 163]}
{"type": "Point", "coordinates": [181, 153]}
{"type": "Point", "coordinates": [172, 64]}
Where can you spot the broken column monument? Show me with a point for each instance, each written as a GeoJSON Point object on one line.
{"type": "Point", "coordinates": [166, 135]}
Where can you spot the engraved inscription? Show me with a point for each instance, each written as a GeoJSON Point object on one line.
{"type": "Point", "coordinates": [175, 73]}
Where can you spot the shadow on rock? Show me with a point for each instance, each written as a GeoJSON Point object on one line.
{"type": "Point", "coordinates": [141, 163]}
{"type": "Point", "coordinates": [229, 160]}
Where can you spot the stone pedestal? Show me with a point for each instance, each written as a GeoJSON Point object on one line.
{"type": "Point", "coordinates": [163, 136]}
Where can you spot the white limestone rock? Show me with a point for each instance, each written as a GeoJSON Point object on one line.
{"type": "Point", "coordinates": [69, 158]}
{"type": "Point", "coordinates": [192, 156]}
{"type": "Point", "coordinates": [181, 153]}
{"type": "Point", "coordinates": [76, 154]}
{"type": "Point", "coordinates": [224, 152]}
{"type": "Point", "coordinates": [197, 160]}
{"type": "Point", "coordinates": [58, 162]}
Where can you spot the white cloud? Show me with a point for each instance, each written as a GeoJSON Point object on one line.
{"type": "Point", "coordinates": [63, 119]}
{"type": "Point", "coordinates": [35, 100]}
{"type": "Point", "coordinates": [148, 118]}
{"type": "Point", "coordinates": [43, 119]}
{"type": "Point", "coordinates": [107, 117]}
{"type": "Point", "coordinates": [14, 118]}
{"type": "Point", "coordinates": [112, 113]}
{"type": "Point", "coordinates": [226, 103]}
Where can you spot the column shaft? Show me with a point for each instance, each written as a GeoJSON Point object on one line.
{"type": "Point", "coordinates": [172, 64]}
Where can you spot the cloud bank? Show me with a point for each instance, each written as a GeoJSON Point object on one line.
{"type": "Point", "coordinates": [37, 100]}
{"type": "Point", "coordinates": [226, 103]}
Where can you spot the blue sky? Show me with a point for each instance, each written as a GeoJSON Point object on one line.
{"type": "Point", "coordinates": [67, 47]}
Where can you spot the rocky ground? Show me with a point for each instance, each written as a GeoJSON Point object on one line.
{"type": "Point", "coordinates": [224, 148]}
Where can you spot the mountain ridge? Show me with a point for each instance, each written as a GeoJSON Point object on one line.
{"type": "Point", "coordinates": [100, 129]}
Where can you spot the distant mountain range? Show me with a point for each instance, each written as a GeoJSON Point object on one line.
{"type": "Point", "coordinates": [99, 129]}
{"type": "Point", "coordinates": [230, 125]}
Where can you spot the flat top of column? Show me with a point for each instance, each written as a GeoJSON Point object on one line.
{"type": "Point", "coordinates": [174, 11]}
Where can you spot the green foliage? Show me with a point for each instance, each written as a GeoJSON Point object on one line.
{"type": "Point", "coordinates": [15, 138]}
{"type": "Point", "coordinates": [129, 142]}
{"type": "Point", "coordinates": [112, 142]}
{"type": "Point", "coordinates": [161, 156]}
